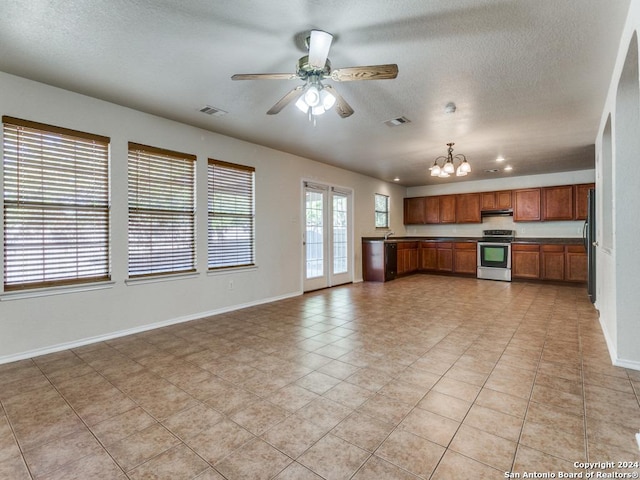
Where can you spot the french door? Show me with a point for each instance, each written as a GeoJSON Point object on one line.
{"type": "Point", "coordinates": [327, 236]}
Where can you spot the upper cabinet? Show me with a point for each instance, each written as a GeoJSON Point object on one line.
{"type": "Point", "coordinates": [564, 202]}
{"type": "Point", "coordinates": [526, 205]}
{"type": "Point", "coordinates": [414, 210]}
{"type": "Point", "coordinates": [581, 201]}
{"type": "Point", "coordinates": [447, 206]}
{"type": "Point", "coordinates": [468, 208]}
{"type": "Point", "coordinates": [495, 200]}
{"type": "Point", "coordinates": [557, 203]}
{"type": "Point", "coordinates": [430, 210]}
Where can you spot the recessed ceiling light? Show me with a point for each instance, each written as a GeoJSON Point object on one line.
{"type": "Point", "coordinates": [500, 159]}
{"type": "Point", "coordinates": [396, 179]}
{"type": "Point", "coordinates": [508, 168]}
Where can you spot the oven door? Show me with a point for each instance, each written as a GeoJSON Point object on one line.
{"type": "Point", "coordinates": [494, 261]}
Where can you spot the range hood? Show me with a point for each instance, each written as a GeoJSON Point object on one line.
{"type": "Point", "coordinates": [506, 212]}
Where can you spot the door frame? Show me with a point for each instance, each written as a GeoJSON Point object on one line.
{"type": "Point", "coordinates": [329, 280]}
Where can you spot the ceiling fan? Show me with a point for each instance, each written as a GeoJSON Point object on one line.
{"type": "Point", "coordinates": [314, 97]}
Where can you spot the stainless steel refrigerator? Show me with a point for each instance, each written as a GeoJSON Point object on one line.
{"type": "Point", "coordinates": [589, 236]}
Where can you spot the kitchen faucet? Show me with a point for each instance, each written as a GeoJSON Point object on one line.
{"type": "Point", "coordinates": [388, 234]}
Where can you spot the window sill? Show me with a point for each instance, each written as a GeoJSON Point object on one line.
{"type": "Point", "coordinates": [46, 292]}
{"type": "Point", "coordinates": [227, 271]}
{"type": "Point", "coordinates": [160, 278]}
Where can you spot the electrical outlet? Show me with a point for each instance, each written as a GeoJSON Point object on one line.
{"type": "Point", "coordinates": [230, 284]}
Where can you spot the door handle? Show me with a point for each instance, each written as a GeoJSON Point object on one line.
{"type": "Point", "coordinates": [595, 244]}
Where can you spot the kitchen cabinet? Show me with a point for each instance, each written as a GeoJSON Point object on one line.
{"type": "Point", "coordinates": [526, 205]}
{"type": "Point", "coordinates": [445, 256]}
{"type": "Point", "coordinates": [581, 203]}
{"type": "Point", "coordinates": [525, 261]}
{"type": "Point", "coordinates": [558, 203]}
{"type": "Point", "coordinates": [414, 211]}
{"type": "Point", "coordinates": [576, 264]}
{"type": "Point", "coordinates": [428, 256]}
{"type": "Point", "coordinates": [553, 262]}
{"type": "Point", "coordinates": [465, 258]}
{"type": "Point", "coordinates": [407, 257]}
{"type": "Point", "coordinates": [496, 200]}
{"type": "Point", "coordinates": [379, 261]}
{"type": "Point", "coordinates": [432, 210]}
{"type": "Point", "coordinates": [447, 207]}
{"type": "Point", "coordinates": [468, 208]}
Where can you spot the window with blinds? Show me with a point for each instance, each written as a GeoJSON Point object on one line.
{"type": "Point", "coordinates": [230, 215]}
{"type": "Point", "coordinates": [56, 205]}
{"type": "Point", "coordinates": [161, 211]}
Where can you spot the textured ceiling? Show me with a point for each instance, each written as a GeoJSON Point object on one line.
{"type": "Point", "coordinates": [529, 78]}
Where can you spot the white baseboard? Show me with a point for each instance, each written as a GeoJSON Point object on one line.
{"type": "Point", "coordinates": [130, 331]}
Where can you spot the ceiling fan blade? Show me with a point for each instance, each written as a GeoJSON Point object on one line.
{"type": "Point", "coordinates": [264, 76]}
{"type": "Point", "coordinates": [286, 100]}
{"type": "Point", "coordinates": [342, 107]}
{"type": "Point", "coordinates": [319, 45]}
{"type": "Point", "coordinates": [371, 72]}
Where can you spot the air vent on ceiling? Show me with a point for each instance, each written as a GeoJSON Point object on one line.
{"type": "Point", "coordinates": [209, 110]}
{"type": "Point", "coordinates": [394, 122]}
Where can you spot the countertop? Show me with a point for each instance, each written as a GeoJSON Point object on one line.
{"type": "Point", "coordinates": [529, 240]}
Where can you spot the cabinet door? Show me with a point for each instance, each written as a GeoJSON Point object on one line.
{"type": "Point", "coordinates": [448, 209]}
{"type": "Point", "coordinates": [414, 211]}
{"type": "Point", "coordinates": [373, 261]}
{"type": "Point", "coordinates": [488, 201]}
{"type": "Point", "coordinates": [526, 205]}
{"type": "Point", "coordinates": [428, 256]}
{"type": "Point", "coordinates": [581, 206]}
{"type": "Point", "coordinates": [576, 264]}
{"type": "Point", "coordinates": [465, 258]}
{"type": "Point", "coordinates": [525, 261]}
{"type": "Point", "coordinates": [445, 257]}
{"type": "Point", "coordinates": [468, 208]}
{"type": "Point", "coordinates": [553, 262]}
{"type": "Point", "coordinates": [557, 203]}
{"type": "Point", "coordinates": [413, 259]}
{"type": "Point", "coordinates": [503, 199]}
{"type": "Point", "coordinates": [432, 209]}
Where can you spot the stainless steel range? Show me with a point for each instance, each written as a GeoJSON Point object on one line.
{"type": "Point", "coordinates": [494, 255]}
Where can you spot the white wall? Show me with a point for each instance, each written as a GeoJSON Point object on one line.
{"type": "Point", "coordinates": [523, 229]}
{"type": "Point", "coordinates": [618, 258]}
{"type": "Point", "coordinates": [34, 325]}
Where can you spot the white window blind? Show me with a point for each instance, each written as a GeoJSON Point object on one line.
{"type": "Point", "coordinates": [56, 205]}
{"type": "Point", "coordinates": [231, 215]}
{"type": "Point", "coordinates": [161, 211]}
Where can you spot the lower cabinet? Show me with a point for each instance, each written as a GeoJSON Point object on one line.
{"type": "Point", "coordinates": [445, 256]}
{"type": "Point", "coordinates": [553, 262]}
{"type": "Point", "coordinates": [575, 264]}
{"type": "Point", "coordinates": [525, 261]}
{"type": "Point", "coordinates": [465, 258]}
{"type": "Point", "coordinates": [407, 257]}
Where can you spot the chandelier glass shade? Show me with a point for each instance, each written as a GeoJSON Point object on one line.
{"type": "Point", "coordinates": [315, 100]}
{"type": "Point", "coordinates": [444, 166]}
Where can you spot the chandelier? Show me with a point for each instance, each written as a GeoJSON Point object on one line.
{"type": "Point", "coordinates": [448, 168]}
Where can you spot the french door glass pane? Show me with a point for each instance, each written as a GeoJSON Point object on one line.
{"type": "Point", "coordinates": [339, 234]}
{"type": "Point", "coordinates": [314, 234]}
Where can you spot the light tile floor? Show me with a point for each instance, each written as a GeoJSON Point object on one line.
{"type": "Point", "coordinates": [423, 377]}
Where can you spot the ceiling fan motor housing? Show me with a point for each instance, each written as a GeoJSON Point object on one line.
{"type": "Point", "coordinates": [305, 70]}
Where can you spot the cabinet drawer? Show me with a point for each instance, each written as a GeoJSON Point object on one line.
{"type": "Point", "coordinates": [521, 247]}
{"type": "Point", "coordinates": [553, 248]}
{"type": "Point", "coordinates": [575, 249]}
{"type": "Point", "coordinates": [465, 246]}
{"type": "Point", "coordinates": [445, 245]}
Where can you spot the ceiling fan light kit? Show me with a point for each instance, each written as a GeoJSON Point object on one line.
{"type": "Point", "coordinates": [314, 97]}
{"type": "Point", "coordinates": [448, 167]}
